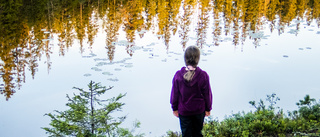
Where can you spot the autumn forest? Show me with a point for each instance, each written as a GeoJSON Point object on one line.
{"type": "Point", "coordinates": [26, 26]}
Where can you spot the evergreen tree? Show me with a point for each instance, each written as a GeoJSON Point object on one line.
{"type": "Point", "coordinates": [87, 114]}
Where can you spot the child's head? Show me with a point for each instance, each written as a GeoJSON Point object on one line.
{"type": "Point", "coordinates": [192, 56]}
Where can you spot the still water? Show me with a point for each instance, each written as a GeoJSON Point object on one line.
{"type": "Point", "coordinates": [249, 48]}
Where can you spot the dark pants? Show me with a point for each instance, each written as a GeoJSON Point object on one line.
{"type": "Point", "coordinates": [191, 126]}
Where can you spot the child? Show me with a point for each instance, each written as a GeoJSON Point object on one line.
{"type": "Point", "coordinates": [191, 96]}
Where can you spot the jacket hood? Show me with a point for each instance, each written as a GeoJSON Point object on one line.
{"type": "Point", "coordinates": [194, 80]}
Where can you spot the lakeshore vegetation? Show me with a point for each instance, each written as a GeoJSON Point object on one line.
{"type": "Point", "coordinates": [267, 120]}
{"type": "Point", "coordinates": [89, 116]}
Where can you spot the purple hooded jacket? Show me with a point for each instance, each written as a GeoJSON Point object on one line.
{"type": "Point", "coordinates": [193, 97]}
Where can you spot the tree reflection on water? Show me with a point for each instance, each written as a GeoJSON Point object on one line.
{"type": "Point", "coordinates": [27, 27]}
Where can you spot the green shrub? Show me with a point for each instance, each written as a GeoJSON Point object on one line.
{"type": "Point", "coordinates": [269, 121]}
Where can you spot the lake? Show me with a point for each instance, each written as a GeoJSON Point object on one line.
{"type": "Point", "coordinates": [249, 48]}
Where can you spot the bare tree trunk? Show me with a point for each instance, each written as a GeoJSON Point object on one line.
{"type": "Point", "coordinates": [92, 110]}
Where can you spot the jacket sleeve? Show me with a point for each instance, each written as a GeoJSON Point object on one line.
{"type": "Point", "coordinates": [207, 93]}
{"type": "Point", "coordinates": [174, 99]}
